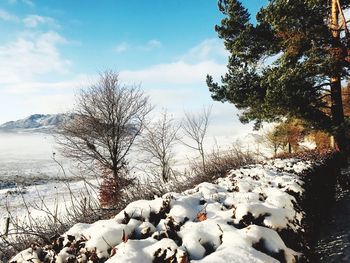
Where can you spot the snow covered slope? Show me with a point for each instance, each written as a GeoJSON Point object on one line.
{"type": "Point", "coordinates": [36, 122]}
{"type": "Point", "coordinates": [238, 218]}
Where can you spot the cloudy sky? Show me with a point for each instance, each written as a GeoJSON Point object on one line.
{"type": "Point", "coordinates": [50, 49]}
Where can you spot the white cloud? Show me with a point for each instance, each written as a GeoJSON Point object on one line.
{"type": "Point", "coordinates": [176, 98]}
{"type": "Point", "coordinates": [31, 54]}
{"type": "Point", "coordinates": [75, 83]}
{"type": "Point", "coordinates": [32, 21]}
{"type": "Point", "coordinates": [154, 43]}
{"type": "Point", "coordinates": [148, 46]}
{"type": "Point", "coordinates": [122, 47]}
{"type": "Point", "coordinates": [208, 57]}
{"type": "Point", "coordinates": [37, 86]}
{"type": "Point", "coordinates": [49, 103]}
{"type": "Point", "coordinates": [178, 72]}
{"type": "Point", "coordinates": [6, 16]}
{"type": "Point", "coordinates": [209, 49]}
{"type": "Point", "coordinates": [26, 2]}
{"type": "Point", "coordinates": [16, 106]}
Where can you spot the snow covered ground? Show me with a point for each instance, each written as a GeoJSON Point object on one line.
{"type": "Point", "coordinates": [27, 165]}
{"type": "Point", "coordinates": [29, 176]}
{"type": "Point", "coordinates": [238, 218]}
{"type": "Point", "coordinates": [28, 155]}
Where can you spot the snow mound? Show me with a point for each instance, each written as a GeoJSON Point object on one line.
{"type": "Point", "coordinates": [238, 218]}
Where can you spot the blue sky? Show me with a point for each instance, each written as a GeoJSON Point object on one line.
{"type": "Point", "coordinates": [49, 49]}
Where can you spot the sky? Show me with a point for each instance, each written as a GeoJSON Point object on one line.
{"type": "Point", "coordinates": [50, 49]}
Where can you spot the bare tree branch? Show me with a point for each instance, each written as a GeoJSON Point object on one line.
{"type": "Point", "coordinates": [158, 143]}
{"type": "Point", "coordinates": [195, 128]}
{"type": "Point", "coordinates": [108, 118]}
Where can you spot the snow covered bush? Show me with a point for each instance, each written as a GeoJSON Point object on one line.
{"type": "Point", "coordinates": [238, 218]}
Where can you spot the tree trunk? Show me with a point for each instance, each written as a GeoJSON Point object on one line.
{"type": "Point", "coordinates": [289, 148]}
{"type": "Point", "coordinates": [336, 92]}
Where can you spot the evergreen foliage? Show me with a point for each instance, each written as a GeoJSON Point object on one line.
{"type": "Point", "coordinates": [287, 64]}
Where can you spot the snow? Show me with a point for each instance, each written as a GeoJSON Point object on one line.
{"type": "Point", "coordinates": [144, 251]}
{"type": "Point", "coordinates": [33, 254]}
{"type": "Point", "coordinates": [272, 240]}
{"type": "Point", "coordinates": [185, 207]}
{"type": "Point", "coordinates": [235, 219]}
{"type": "Point", "coordinates": [141, 209]}
{"type": "Point", "coordinates": [52, 196]}
{"type": "Point", "coordinates": [196, 234]}
{"type": "Point", "coordinates": [28, 172]}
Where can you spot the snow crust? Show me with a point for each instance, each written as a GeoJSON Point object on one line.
{"type": "Point", "coordinates": [238, 218]}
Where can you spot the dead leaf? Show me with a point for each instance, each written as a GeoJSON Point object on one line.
{"type": "Point", "coordinates": [184, 258]}
{"type": "Point", "coordinates": [113, 251]}
{"type": "Point", "coordinates": [124, 237]}
{"type": "Point", "coordinates": [201, 217]}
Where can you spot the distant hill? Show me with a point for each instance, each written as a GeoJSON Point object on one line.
{"type": "Point", "coordinates": [36, 122]}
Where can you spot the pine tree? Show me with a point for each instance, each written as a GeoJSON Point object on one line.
{"type": "Point", "coordinates": [286, 64]}
{"type": "Point", "coordinates": [346, 100]}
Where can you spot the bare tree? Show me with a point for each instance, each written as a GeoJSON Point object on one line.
{"type": "Point", "coordinates": [158, 143]}
{"type": "Point", "coordinates": [195, 128]}
{"type": "Point", "coordinates": [108, 118]}
{"type": "Point", "coordinates": [275, 140]}
{"type": "Point", "coordinates": [287, 135]}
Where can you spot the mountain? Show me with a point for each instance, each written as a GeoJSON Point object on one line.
{"type": "Point", "coordinates": [36, 122]}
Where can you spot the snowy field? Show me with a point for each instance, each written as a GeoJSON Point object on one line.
{"type": "Point", "coordinates": [238, 218]}
{"type": "Point", "coordinates": [32, 182]}
{"type": "Point", "coordinates": [27, 166]}
{"type": "Point", "coordinates": [26, 155]}
{"type": "Point", "coordinates": [29, 155]}
{"type": "Point", "coordinates": [29, 173]}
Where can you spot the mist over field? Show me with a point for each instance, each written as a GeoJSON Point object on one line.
{"type": "Point", "coordinates": [27, 154]}
{"type": "Point", "coordinates": [30, 154]}
{"type": "Point", "coordinates": [29, 173]}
